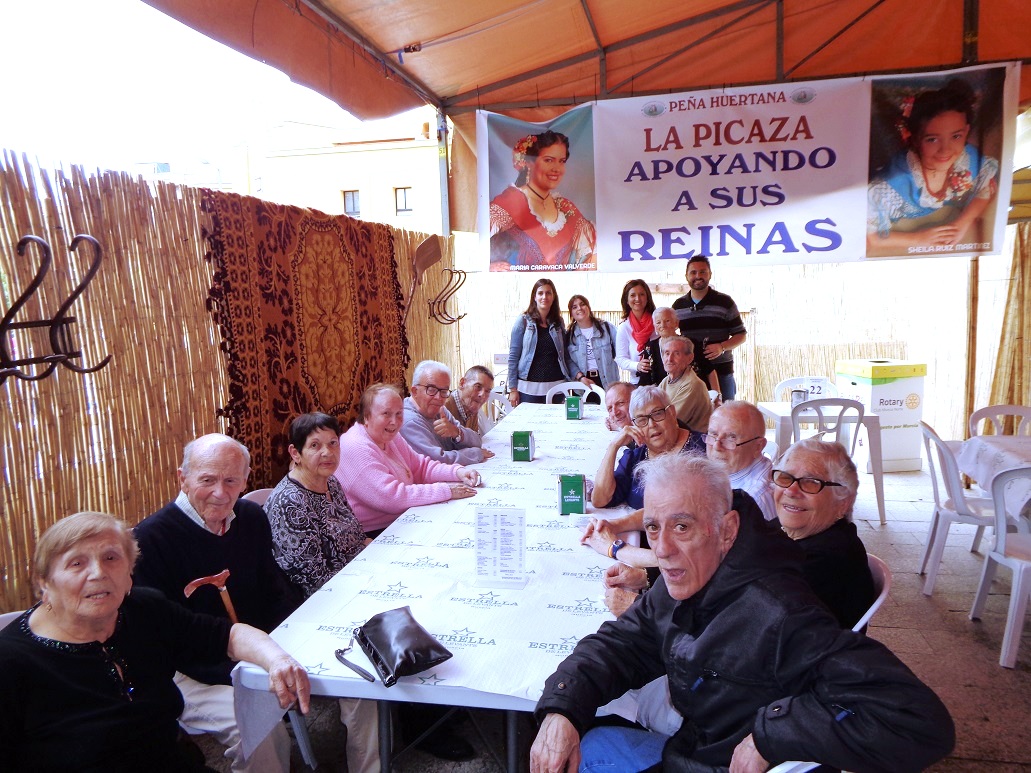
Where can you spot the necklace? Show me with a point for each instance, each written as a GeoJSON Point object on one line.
{"type": "Point", "coordinates": [538, 195]}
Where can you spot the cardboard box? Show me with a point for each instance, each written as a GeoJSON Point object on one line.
{"type": "Point", "coordinates": [572, 494]}
{"type": "Point", "coordinates": [574, 407]}
{"type": "Point", "coordinates": [522, 446]}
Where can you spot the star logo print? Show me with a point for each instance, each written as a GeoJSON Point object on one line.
{"type": "Point", "coordinates": [570, 640]}
{"type": "Point", "coordinates": [463, 632]}
{"type": "Point", "coordinates": [431, 680]}
{"type": "Point", "coordinates": [489, 596]}
{"type": "Point", "coordinates": [586, 602]}
{"type": "Point", "coordinates": [319, 669]}
{"type": "Point", "coordinates": [397, 588]}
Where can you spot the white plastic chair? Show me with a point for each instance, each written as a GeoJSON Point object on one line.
{"type": "Point", "coordinates": [794, 767]}
{"type": "Point", "coordinates": [818, 387]}
{"type": "Point", "coordinates": [881, 584]}
{"type": "Point", "coordinates": [829, 415]}
{"type": "Point", "coordinates": [258, 496]}
{"type": "Point", "coordinates": [996, 414]}
{"type": "Point", "coordinates": [954, 507]}
{"type": "Point", "coordinates": [1012, 550]}
{"type": "Point", "coordinates": [6, 618]}
{"type": "Point", "coordinates": [578, 387]}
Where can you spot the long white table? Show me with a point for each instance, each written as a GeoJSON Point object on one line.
{"type": "Point", "coordinates": [983, 456]}
{"type": "Point", "coordinates": [505, 642]}
{"type": "Point", "coordinates": [780, 414]}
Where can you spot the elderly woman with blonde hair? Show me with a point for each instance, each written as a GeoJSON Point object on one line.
{"type": "Point", "coordinates": [86, 674]}
{"type": "Point", "coordinates": [382, 475]}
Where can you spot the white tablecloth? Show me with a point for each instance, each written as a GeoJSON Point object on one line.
{"type": "Point", "coordinates": [983, 456]}
{"type": "Point", "coordinates": [505, 642]}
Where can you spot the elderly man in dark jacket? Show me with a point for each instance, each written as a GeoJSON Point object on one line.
{"type": "Point", "coordinates": [759, 669]}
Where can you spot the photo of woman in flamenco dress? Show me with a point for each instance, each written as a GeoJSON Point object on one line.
{"type": "Point", "coordinates": [530, 223]}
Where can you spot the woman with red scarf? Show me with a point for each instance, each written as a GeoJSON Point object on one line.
{"type": "Point", "coordinates": [636, 331]}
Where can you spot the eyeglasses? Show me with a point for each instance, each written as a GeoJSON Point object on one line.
{"type": "Point", "coordinates": [726, 442]}
{"type": "Point", "coordinates": [433, 391]}
{"type": "Point", "coordinates": [805, 485]}
{"type": "Point", "coordinates": [655, 416]}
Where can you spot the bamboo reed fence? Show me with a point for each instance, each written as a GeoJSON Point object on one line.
{"type": "Point", "coordinates": [110, 440]}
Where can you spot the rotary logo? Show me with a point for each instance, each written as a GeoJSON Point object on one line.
{"type": "Point", "coordinates": [912, 401]}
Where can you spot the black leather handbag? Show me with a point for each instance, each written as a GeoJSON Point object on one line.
{"type": "Point", "coordinates": [397, 645]}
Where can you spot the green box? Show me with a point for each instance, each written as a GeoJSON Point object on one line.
{"type": "Point", "coordinates": [574, 407]}
{"type": "Point", "coordinates": [522, 446]}
{"type": "Point", "coordinates": [571, 494]}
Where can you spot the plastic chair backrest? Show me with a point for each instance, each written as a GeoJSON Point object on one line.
{"type": "Point", "coordinates": [881, 584]}
{"type": "Point", "coordinates": [997, 415]}
{"type": "Point", "coordinates": [829, 415]}
{"type": "Point", "coordinates": [258, 496]}
{"type": "Point", "coordinates": [948, 468]}
{"type": "Point", "coordinates": [817, 387]}
{"type": "Point", "coordinates": [1002, 519]}
{"type": "Point", "coordinates": [7, 618]}
{"type": "Point", "coordinates": [575, 386]}
{"type": "Point", "coordinates": [794, 767]}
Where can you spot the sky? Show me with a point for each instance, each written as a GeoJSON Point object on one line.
{"type": "Point", "coordinates": [115, 83]}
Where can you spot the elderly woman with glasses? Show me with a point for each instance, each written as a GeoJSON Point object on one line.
{"type": "Point", "coordinates": [814, 489]}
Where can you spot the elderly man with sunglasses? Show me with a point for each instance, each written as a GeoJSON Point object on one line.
{"type": "Point", "coordinates": [430, 428]}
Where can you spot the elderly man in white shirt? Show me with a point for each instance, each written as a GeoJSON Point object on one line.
{"type": "Point", "coordinates": [737, 437]}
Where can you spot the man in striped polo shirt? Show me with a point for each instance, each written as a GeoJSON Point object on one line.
{"type": "Point", "coordinates": [712, 322]}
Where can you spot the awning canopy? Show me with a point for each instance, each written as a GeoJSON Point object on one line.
{"type": "Point", "coordinates": [377, 59]}
{"type": "Point", "coordinates": [533, 59]}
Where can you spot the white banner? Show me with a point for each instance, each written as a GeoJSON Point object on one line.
{"type": "Point", "coordinates": [824, 171]}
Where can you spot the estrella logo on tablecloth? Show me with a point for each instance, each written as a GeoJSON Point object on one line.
{"type": "Point", "coordinates": [488, 600]}
{"type": "Point", "coordinates": [585, 607]}
{"type": "Point", "coordinates": [563, 647]}
{"type": "Point", "coordinates": [593, 573]}
{"type": "Point", "coordinates": [465, 543]}
{"type": "Point", "coordinates": [554, 524]}
{"type": "Point", "coordinates": [414, 518]}
{"type": "Point", "coordinates": [341, 631]}
{"type": "Point", "coordinates": [426, 562]}
{"type": "Point", "coordinates": [395, 591]}
{"type": "Point", "coordinates": [392, 539]}
{"type": "Point", "coordinates": [548, 547]}
{"type": "Point", "coordinates": [463, 638]}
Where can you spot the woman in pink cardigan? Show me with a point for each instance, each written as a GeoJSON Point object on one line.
{"type": "Point", "coordinates": [380, 473]}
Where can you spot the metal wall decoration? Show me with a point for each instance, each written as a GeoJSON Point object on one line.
{"type": "Point", "coordinates": [62, 346]}
{"type": "Point", "coordinates": [438, 310]}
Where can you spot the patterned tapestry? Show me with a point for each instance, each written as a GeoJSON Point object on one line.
{"type": "Point", "coordinates": [309, 307]}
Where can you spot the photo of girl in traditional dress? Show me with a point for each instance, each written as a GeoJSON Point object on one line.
{"type": "Point", "coordinates": [531, 224]}
{"type": "Point", "coordinates": [934, 165]}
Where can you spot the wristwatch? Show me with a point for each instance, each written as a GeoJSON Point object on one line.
{"type": "Point", "coordinates": [616, 547]}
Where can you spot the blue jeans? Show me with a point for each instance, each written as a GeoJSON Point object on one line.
{"type": "Point", "coordinates": [728, 386]}
{"type": "Point", "coordinates": [620, 750]}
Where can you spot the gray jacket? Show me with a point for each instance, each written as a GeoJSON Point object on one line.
{"type": "Point", "coordinates": [418, 431]}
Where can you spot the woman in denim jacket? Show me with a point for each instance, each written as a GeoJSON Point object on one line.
{"type": "Point", "coordinates": [592, 345]}
{"type": "Point", "coordinates": [537, 362]}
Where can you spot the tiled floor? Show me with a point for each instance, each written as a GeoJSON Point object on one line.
{"type": "Point", "coordinates": [991, 705]}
